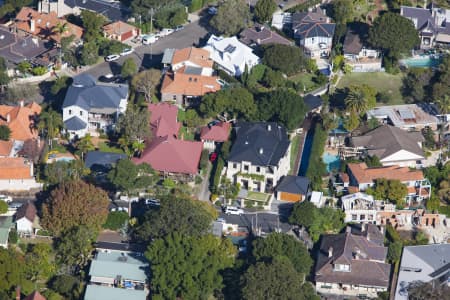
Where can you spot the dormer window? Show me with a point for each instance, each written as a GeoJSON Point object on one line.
{"type": "Point", "coordinates": [341, 268]}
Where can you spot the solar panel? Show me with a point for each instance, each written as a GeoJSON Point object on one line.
{"type": "Point", "coordinates": [230, 48]}
{"type": "Point", "coordinates": [406, 114]}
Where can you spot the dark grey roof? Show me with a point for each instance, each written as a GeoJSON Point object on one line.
{"type": "Point", "coordinates": [363, 256]}
{"type": "Point", "coordinates": [114, 11]}
{"type": "Point", "coordinates": [75, 124]}
{"type": "Point", "coordinates": [102, 161]}
{"type": "Point", "coordinates": [312, 24]}
{"type": "Point", "coordinates": [85, 93]}
{"type": "Point", "coordinates": [294, 185]}
{"type": "Point", "coordinates": [352, 43]}
{"type": "Point", "coordinates": [261, 143]}
{"type": "Point", "coordinates": [386, 140]}
{"type": "Point", "coordinates": [422, 15]}
{"type": "Point", "coordinates": [312, 102]}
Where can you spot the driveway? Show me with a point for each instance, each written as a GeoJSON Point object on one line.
{"type": "Point", "coordinates": [204, 192]}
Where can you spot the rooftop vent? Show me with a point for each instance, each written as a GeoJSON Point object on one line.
{"type": "Point", "coordinates": [261, 151]}
{"type": "Point", "coordinates": [2, 37]}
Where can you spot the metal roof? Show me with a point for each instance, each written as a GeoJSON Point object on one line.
{"type": "Point", "coordinates": [168, 56]}
{"type": "Point", "coordinates": [97, 292]}
{"type": "Point", "coordinates": [129, 265]}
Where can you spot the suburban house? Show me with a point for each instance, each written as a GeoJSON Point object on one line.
{"type": "Point", "coordinates": [259, 35]}
{"type": "Point", "coordinates": [314, 31]}
{"type": "Point", "coordinates": [423, 264]}
{"type": "Point", "coordinates": [6, 223]}
{"type": "Point", "coordinates": [112, 10]}
{"type": "Point", "coordinates": [433, 24]}
{"type": "Point", "coordinates": [90, 107]}
{"type": "Point", "coordinates": [359, 55]}
{"type": "Point", "coordinates": [392, 145]}
{"type": "Point", "coordinates": [259, 157]}
{"type": "Point", "coordinates": [191, 76]}
{"type": "Point", "coordinates": [43, 25]}
{"type": "Point", "coordinates": [27, 220]}
{"type": "Point", "coordinates": [362, 177]}
{"type": "Point", "coordinates": [281, 20]}
{"type": "Point", "coordinates": [16, 49]}
{"type": "Point", "coordinates": [120, 31]}
{"type": "Point", "coordinates": [117, 275]}
{"type": "Point", "coordinates": [350, 264]}
{"type": "Point", "coordinates": [16, 174]}
{"type": "Point", "coordinates": [165, 153]}
{"type": "Point", "coordinates": [293, 189]}
{"type": "Point", "coordinates": [21, 120]}
{"type": "Point", "coordinates": [409, 218]}
{"type": "Point", "coordinates": [102, 162]}
{"type": "Point", "coordinates": [215, 133]}
{"type": "Point", "coordinates": [230, 55]}
{"type": "Point", "coordinates": [406, 116]}
{"type": "Point", "coordinates": [362, 208]}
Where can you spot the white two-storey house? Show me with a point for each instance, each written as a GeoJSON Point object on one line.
{"type": "Point", "coordinates": [91, 108]}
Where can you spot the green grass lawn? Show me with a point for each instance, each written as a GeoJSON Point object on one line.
{"type": "Point", "coordinates": [305, 79]}
{"type": "Point", "coordinates": [186, 135]}
{"type": "Point", "coordinates": [380, 81]}
{"type": "Point", "coordinates": [104, 147]}
{"type": "Point", "coordinates": [261, 197]}
{"type": "Point", "coordinates": [294, 152]}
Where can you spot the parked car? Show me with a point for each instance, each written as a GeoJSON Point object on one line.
{"type": "Point", "coordinates": [108, 78]}
{"type": "Point", "coordinates": [212, 10]}
{"type": "Point", "coordinates": [179, 27]}
{"type": "Point", "coordinates": [232, 210]}
{"type": "Point", "coordinates": [165, 32]}
{"type": "Point", "coordinates": [120, 208]}
{"type": "Point", "coordinates": [149, 39]}
{"type": "Point", "coordinates": [14, 205]}
{"type": "Point", "coordinates": [213, 157]}
{"type": "Point", "coordinates": [127, 51]}
{"type": "Point", "coordinates": [152, 202]}
{"type": "Point", "coordinates": [221, 220]}
{"type": "Point", "coordinates": [112, 57]}
{"type": "Point", "coordinates": [5, 198]}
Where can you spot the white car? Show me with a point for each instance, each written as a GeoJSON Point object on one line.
{"type": "Point", "coordinates": [149, 39]}
{"type": "Point", "coordinates": [127, 51]}
{"type": "Point", "coordinates": [5, 198]}
{"type": "Point", "coordinates": [165, 31]}
{"type": "Point", "coordinates": [232, 210]}
{"type": "Point", "coordinates": [152, 202]}
{"type": "Point", "coordinates": [112, 57]}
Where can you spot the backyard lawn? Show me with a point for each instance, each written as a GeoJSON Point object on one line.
{"type": "Point", "coordinates": [305, 80]}
{"type": "Point", "coordinates": [380, 81]}
{"type": "Point", "coordinates": [294, 152]}
{"type": "Point", "coordinates": [256, 196]}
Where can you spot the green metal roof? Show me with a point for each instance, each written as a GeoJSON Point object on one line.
{"type": "Point", "coordinates": [97, 292]}
{"type": "Point", "coordinates": [128, 265]}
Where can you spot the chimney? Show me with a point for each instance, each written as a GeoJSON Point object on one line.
{"type": "Point", "coordinates": [18, 292]}
{"type": "Point", "coordinates": [21, 102]}
{"type": "Point", "coordinates": [8, 118]}
{"type": "Point", "coordinates": [269, 127]}
{"type": "Point", "coordinates": [330, 252]}
{"type": "Point", "coordinates": [261, 151]}
{"type": "Point", "coordinates": [32, 25]}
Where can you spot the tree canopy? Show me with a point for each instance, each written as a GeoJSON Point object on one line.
{"type": "Point", "coordinates": [264, 10]}
{"type": "Point", "coordinates": [128, 177]}
{"type": "Point", "coordinates": [386, 189]}
{"type": "Point", "coordinates": [129, 68]}
{"type": "Point", "coordinates": [287, 59]}
{"type": "Point", "coordinates": [394, 34]}
{"type": "Point", "coordinates": [238, 102]}
{"type": "Point", "coordinates": [188, 267]}
{"type": "Point", "coordinates": [92, 25]}
{"type": "Point", "coordinates": [62, 171]}
{"type": "Point", "coordinates": [359, 99]}
{"type": "Point", "coordinates": [342, 11]}
{"type": "Point", "coordinates": [232, 16]}
{"type": "Point", "coordinates": [145, 82]}
{"type": "Point", "coordinates": [75, 203]}
{"type": "Point", "coordinates": [133, 125]}
{"type": "Point", "coordinates": [5, 132]}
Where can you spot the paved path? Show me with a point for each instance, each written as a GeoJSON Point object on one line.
{"type": "Point", "coordinates": [204, 192]}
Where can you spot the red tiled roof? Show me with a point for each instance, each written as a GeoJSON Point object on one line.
{"type": "Point", "coordinates": [118, 28]}
{"type": "Point", "coordinates": [163, 119]}
{"type": "Point", "coordinates": [197, 56]}
{"type": "Point", "coordinates": [14, 168]}
{"type": "Point", "coordinates": [364, 174]}
{"type": "Point", "coordinates": [217, 133]}
{"type": "Point", "coordinates": [167, 154]}
{"type": "Point", "coordinates": [21, 120]}
{"type": "Point", "coordinates": [35, 296]}
{"type": "Point", "coordinates": [6, 147]}
{"type": "Point", "coordinates": [188, 84]}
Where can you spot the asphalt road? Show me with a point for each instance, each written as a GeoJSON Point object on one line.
{"type": "Point", "coordinates": [147, 56]}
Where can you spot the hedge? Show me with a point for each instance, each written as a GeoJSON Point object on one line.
{"type": "Point", "coordinates": [316, 166]}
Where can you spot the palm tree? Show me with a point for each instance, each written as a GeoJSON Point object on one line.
{"type": "Point", "coordinates": [138, 146]}
{"type": "Point", "coordinates": [60, 29]}
{"type": "Point", "coordinates": [444, 105]}
{"type": "Point", "coordinates": [85, 144]}
{"type": "Point", "coordinates": [356, 101]}
{"type": "Point", "coordinates": [49, 124]}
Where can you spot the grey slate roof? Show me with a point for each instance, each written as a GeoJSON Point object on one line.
{"type": "Point", "coordinates": [422, 15]}
{"type": "Point", "coordinates": [113, 11]}
{"type": "Point", "coordinates": [85, 93]}
{"type": "Point", "coordinates": [386, 140]}
{"type": "Point", "coordinates": [294, 185]}
{"type": "Point", "coordinates": [252, 137]}
{"type": "Point", "coordinates": [312, 102]}
{"type": "Point", "coordinates": [345, 247]}
{"type": "Point", "coordinates": [102, 161]}
{"type": "Point", "coordinates": [75, 124]}
{"type": "Point", "coordinates": [311, 24]}
{"type": "Point", "coordinates": [352, 43]}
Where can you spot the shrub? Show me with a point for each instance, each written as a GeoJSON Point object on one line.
{"type": "Point", "coordinates": [38, 71]}
{"type": "Point", "coordinates": [3, 207]}
{"type": "Point", "coordinates": [13, 237]}
{"type": "Point", "coordinates": [116, 220]}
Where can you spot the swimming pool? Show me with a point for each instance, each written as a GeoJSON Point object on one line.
{"type": "Point", "coordinates": [422, 62]}
{"type": "Point", "coordinates": [332, 161]}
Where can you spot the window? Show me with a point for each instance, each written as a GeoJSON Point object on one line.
{"type": "Point", "coordinates": [370, 217]}
{"type": "Point", "coordinates": [341, 267]}
{"type": "Point", "coordinates": [258, 169]}
{"type": "Point", "coordinates": [362, 217]}
{"type": "Point", "coordinates": [245, 167]}
{"type": "Point", "coordinates": [70, 112]}
{"type": "Point", "coordinates": [234, 166]}
{"type": "Point", "coordinates": [81, 112]}
{"type": "Point", "coordinates": [354, 217]}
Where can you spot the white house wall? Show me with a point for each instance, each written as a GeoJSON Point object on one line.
{"type": "Point", "coordinates": [403, 158]}
{"type": "Point", "coordinates": [19, 184]}
{"type": "Point", "coordinates": [24, 225]}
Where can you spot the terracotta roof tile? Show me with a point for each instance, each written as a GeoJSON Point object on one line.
{"type": "Point", "coordinates": [217, 133]}
{"type": "Point", "coordinates": [6, 147]}
{"type": "Point", "coordinates": [364, 174]}
{"type": "Point", "coordinates": [44, 24]}
{"type": "Point", "coordinates": [189, 84]}
{"type": "Point", "coordinates": [163, 119]}
{"type": "Point", "coordinates": [118, 28]}
{"type": "Point", "coordinates": [14, 168]}
{"type": "Point", "coordinates": [197, 56]}
{"type": "Point", "coordinates": [35, 296]}
{"type": "Point", "coordinates": [21, 120]}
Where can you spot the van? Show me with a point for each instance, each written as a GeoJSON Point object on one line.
{"type": "Point", "coordinates": [231, 210]}
{"type": "Point", "coordinates": [149, 39]}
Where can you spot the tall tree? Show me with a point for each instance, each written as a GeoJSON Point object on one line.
{"type": "Point", "coordinates": [129, 68]}
{"type": "Point", "coordinates": [264, 10]}
{"type": "Point", "coordinates": [134, 124]}
{"type": "Point", "coordinates": [12, 271]}
{"type": "Point", "coordinates": [60, 29]}
{"type": "Point", "coordinates": [287, 59]}
{"type": "Point", "coordinates": [85, 145]}
{"type": "Point", "coordinates": [145, 82]}
{"type": "Point", "coordinates": [75, 203]}
{"type": "Point", "coordinates": [188, 267]}
{"type": "Point", "coordinates": [62, 171]}
{"type": "Point", "coordinates": [444, 104]}
{"type": "Point", "coordinates": [387, 189]}
{"type": "Point", "coordinates": [92, 24]}
{"type": "Point", "coordinates": [89, 53]}
{"type": "Point", "coordinates": [342, 11]}
{"type": "Point", "coordinates": [50, 123]}
{"type": "Point", "coordinates": [232, 16]}
{"type": "Point", "coordinates": [237, 102]}
{"type": "Point", "coordinates": [39, 261]}
{"type": "Point", "coordinates": [360, 98]}
{"type": "Point", "coordinates": [394, 34]}
{"type": "Point", "coordinates": [128, 177]}
{"type": "Point", "coordinates": [176, 214]}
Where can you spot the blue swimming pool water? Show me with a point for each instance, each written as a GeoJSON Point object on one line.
{"type": "Point", "coordinates": [66, 159]}
{"type": "Point", "coordinates": [332, 161]}
{"type": "Point", "coordinates": [423, 62]}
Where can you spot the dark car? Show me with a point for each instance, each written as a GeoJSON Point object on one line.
{"type": "Point", "coordinates": [108, 78]}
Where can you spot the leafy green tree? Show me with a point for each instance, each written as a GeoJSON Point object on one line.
{"type": "Point", "coordinates": [273, 79]}
{"type": "Point", "coordinates": [316, 167]}
{"type": "Point", "coordinates": [282, 245]}
{"type": "Point", "coordinates": [359, 99]}
{"type": "Point", "coordinates": [116, 220]}
{"type": "Point", "coordinates": [237, 102]}
{"type": "Point", "coordinates": [393, 34]}
{"type": "Point", "coordinates": [5, 132]}
{"type": "Point", "coordinates": [176, 214]}
{"type": "Point", "coordinates": [195, 5]}
{"type": "Point", "coordinates": [287, 59]}
{"type": "Point", "coordinates": [304, 214]}
{"type": "Point", "coordinates": [39, 261]}
{"type": "Point", "coordinates": [62, 171]}
{"type": "Point", "coordinates": [188, 267]}
{"type": "Point", "coordinates": [129, 68]}
{"type": "Point", "coordinates": [128, 177]}
{"type": "Point", "coordinates": [415, 84]}
{"type": "Point", "coordinates": [351, 122]}
{"type": "Point", "coordinates": [12, 271]}
{"type": "Point", "coordinates": [277, 280]}
{"type": "Point", "coordinates": [386, 189]}
{"type": "Point", "coordinates": [282, 106]}
{"type": "Point", "coordinates": [145, 82]}
{"type": "Point", "coordinates": [75, 203]}
{"type": "Point", "coordinates": [24, 67]}
{"type": "Point", "coordinates": [3, 207]}
{"type": "Point", "coordinates": [89, 53]}
{"type": "Point", "coordinates": [133, 125]}
{"type": "Point", "coordinates": [342, 11]}
{"type": "Point", "coordinates": [192, 119]}
{"type": "Point", "coordinates": [85, 145]}
{"type": "Point", "coordinates": [394, 251]}
{"type": "Point", "coordinates": [65, 284]}
{"type": "Point", "coordinates": [264, 10]}
{"type": "Point", "coordinates": [92, 25]}
{"type": "Point", "coordinates": [433, 203]}
{"type": "Point", "coordinates": [49, 124]}
{"type": "Point", "coordinates": [232, 16]}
